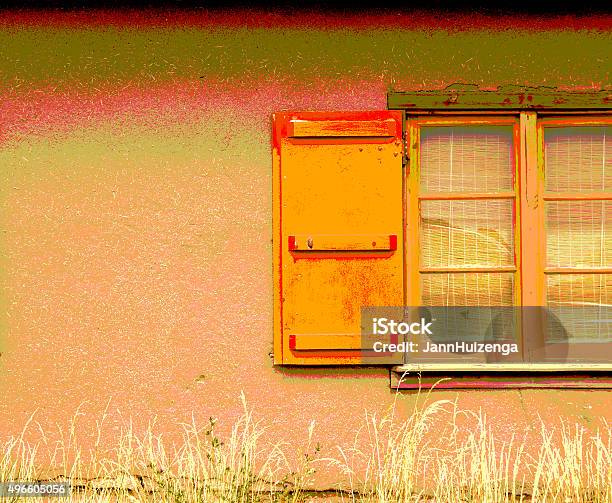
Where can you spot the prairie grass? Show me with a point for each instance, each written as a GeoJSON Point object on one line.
{"type": "Point", "coordinates": [427, 455]}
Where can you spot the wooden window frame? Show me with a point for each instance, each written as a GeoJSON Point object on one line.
{"type": "Point", "coordinates": [413, 263]}
{"type": "Point", "coordinates": [530, 111]}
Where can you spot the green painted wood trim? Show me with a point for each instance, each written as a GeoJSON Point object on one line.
{"type": "Point", "coordinates": [470, 97]}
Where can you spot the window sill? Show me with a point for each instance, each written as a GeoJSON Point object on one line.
{"type": "Point", "coordinates": [502, 375]}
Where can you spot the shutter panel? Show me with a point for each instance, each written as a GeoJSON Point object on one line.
{"type": "Point", "coordinates": [338, 232]}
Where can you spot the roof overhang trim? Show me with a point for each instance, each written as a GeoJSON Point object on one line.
{"type": "Point", "coordinates": [471, 97]}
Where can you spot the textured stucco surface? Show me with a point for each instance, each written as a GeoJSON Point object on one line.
{"type": "Point", "coordinates": [135, 206]}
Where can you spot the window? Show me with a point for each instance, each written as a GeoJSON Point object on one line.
{"type": "Point", "coordinates": [577, 215]}
{"type": "Point", "coordinates": [457, 198]}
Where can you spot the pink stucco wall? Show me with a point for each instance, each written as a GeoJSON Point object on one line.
{"type": "Point", "coordinates": [136, 221]}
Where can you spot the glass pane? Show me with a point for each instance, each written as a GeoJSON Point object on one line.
{"type": "Point", "coordinates": [467, 289]}
{"type": "Point", "coordinates": [579, 289]}
{"type": "Point", "coordinates": [578, 159]}
{"type": "Point", "coordinates": [467, 159]}
{"type": "Point", "coordinates": [579, 233]}
{"type": "Point", "coordinates": [581, 307]}
{"type": "Point", "coordinates": [463, 233]}
{"type": "Point", "coordinates": [459, 334]}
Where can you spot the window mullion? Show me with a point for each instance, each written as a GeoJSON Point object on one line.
{"type": "Point", "coordinates": [531, 185]}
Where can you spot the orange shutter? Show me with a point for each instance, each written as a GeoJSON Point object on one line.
{"type": "Point", "coordinates": [338, 232]}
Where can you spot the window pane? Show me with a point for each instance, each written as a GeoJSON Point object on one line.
{"type": "Point", "coordinates": [466, 159]}
{"type": "Point", "coordinates": [462, 233]}
{"type": "Point", "coordinates": [578, 159]}
{"type": "Point", "coordinates": [581, 307]}
{"type": "Point", "coordinates": [579, 289]}
{"type": "Point", "coordinates": [579, 233]}
{"type": "Point", "coordinates": [467, 289]}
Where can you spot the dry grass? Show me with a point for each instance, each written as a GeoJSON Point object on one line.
{"type": "Point", "coordinates": [404, 460]}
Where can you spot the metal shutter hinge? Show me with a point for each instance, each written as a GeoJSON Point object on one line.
{"type": "Point", "coordinates": [406, 156]}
